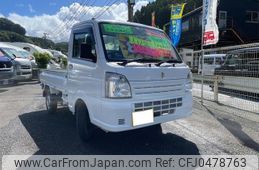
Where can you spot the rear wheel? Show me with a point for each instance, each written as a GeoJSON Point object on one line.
{"type": "Point", "coordinates": [51, 102]}
{"type": "Point", "coordinates": [84, 126]}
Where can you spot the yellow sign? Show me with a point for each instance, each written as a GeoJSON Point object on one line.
{"type": "Point", "coordinates": [177, 11]}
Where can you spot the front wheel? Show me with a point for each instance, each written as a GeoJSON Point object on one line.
{"type": "Point", "coordinates": [51, 102]}
{"type": "Point", "coordinates": [84, 126]}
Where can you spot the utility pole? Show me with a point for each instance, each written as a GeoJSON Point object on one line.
{"type": "Point", "coordinates": [45, 35]}
{"type": "Point", "coordinates": [131, 3]}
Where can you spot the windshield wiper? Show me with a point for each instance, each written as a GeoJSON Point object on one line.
{"type": "Point", "coordinates": [174, 61]}
{"type": "Point", "coordinates": [144, 60]}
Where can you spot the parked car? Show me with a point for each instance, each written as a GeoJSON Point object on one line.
{"type": "Point", "coordinates": [53, 65]}
{"type": "Point", "coordinates": [31, 48]}
{"type": "Point", "coordinates": [22, 66]}
{"type": "Point", "coordinates": [211, 62]}
{"type": "Point", "coordinates": [6, 69]}
{"type": "Point", "coordinates": [240, 71]}
{"type": "Point", "coordinates": [25, 54]}
{"type": "Point", "coordinates": [120, 76]}
{"type": "Point", "coordinates": [242, 63]}
{"type": "Point", "coordinates": [57, 54]}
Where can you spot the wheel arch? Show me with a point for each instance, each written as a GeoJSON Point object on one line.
{"type": "Point", "coordinates": [78, 102]}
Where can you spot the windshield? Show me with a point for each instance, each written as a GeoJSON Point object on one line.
{"type": "Point", "coordinates": [125, 42]}
{"type": "Point", "coordinates": [233, 59]}
{"type": "Point", "coordinates": [12, 52]}
{"type": "Point", "coordinates": [24, 54]}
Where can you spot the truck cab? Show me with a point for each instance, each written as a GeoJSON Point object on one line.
{"type": "Point", "coordinates": [120, 76]}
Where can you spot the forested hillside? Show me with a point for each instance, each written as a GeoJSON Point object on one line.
{"type": "Point", "coordinates": [11, 32]}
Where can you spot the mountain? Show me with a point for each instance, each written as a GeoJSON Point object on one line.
{"type": "Point", "coordinates": [11, 32]}
{"type": "Point", "coordinates": [7, 25]}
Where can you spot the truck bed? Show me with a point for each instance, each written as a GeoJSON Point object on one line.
{"type": "Point", "coordinates": [56, 79]}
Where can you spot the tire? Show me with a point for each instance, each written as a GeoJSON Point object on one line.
{"type": "Point", "coordinates": [84, 126]}
{"type": "Point", "coordinates": [51, 102]}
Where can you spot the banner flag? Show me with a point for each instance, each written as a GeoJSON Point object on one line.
{"type": "Point", "coordinates": [210, 27]}
{"type": "Point", "coordinates": [176, 23]}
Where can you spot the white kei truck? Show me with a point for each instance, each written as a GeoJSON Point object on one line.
{"type": "Point", "coordinates": [120, 76]}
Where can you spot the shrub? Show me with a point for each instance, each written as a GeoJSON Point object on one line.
{"type": "Point", "coordinates": [42, 59]}
{"type": "Point", "coordinates": [64, 62]}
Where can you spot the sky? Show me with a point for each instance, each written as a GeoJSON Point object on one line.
{"type": "Point", "coordinates": [56, 17]}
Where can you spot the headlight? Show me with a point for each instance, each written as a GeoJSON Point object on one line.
{"type": "Point", "coordinates": [188, 85]}
{"type": "Point", "coordinates": [116, 86]}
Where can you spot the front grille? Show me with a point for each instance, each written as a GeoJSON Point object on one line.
{"type": "Point", "coordinates": [142, 88]}
{"type": "Point", "coordinates": [5, 64]}
{"type": "Point", "coordinates": [25, 67]}
{"type": "Point", "coordinates": [160, 107]}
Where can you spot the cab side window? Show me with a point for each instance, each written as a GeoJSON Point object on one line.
{"type": "Point", "coordinates": [84, 46]}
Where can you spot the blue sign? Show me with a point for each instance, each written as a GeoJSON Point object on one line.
{"type": "Point", "coordinates": [176, 23]}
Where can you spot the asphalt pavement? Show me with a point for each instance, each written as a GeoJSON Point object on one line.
{"type": "Point", "coordinates": [26, 128]}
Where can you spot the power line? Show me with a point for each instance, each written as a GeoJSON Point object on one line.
{"type": "Point", "coordinates": [81, 9]}
{"type": "Point", "coordinates": [107, 9]}
{"type": "Point", "coordinates": [102, 9]}
{"type": "Point", "coordinates": [63, 27]}
{"type": "Point", "coordinates": [91, 5]}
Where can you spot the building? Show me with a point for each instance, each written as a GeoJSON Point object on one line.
{"type": "Point", "coordinates": [238, 22]}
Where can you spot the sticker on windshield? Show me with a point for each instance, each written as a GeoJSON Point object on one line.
{"type": "Point", "coordinates": [155, 47]}
{"type": "Point", "coordinates": [152, 42]}
{"type": "Point", "coordinates": [115, 28]}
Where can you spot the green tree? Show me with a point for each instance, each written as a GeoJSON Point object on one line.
{"type": "Point", "coordinates": [7, 36]}
{"type": "Point", "coordinates": [62, 46]}
{"type": "Point", "coordinates": [44, 43]}
{"type": "Point", "coordinates": [7, 25]}
{"type": "Point", "coordinates": [162, 8]}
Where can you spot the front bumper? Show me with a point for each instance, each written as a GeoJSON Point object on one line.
{"type": "Point", "coordinates": [23, 77]}
{"type": "Point", "coordinates": [116, 116]}
{"type": "Point", "coordinates": [23, 74]}
{"type": "Point", "coordinates": [6, 78]}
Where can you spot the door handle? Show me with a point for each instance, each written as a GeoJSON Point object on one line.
{"type": "Point", "coordinates": [70, 66]}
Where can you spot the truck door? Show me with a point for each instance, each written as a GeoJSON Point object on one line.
{"type": "Point", "coordinates": [82, 65]}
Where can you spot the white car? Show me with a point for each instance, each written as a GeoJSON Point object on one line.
{"type": "Point", "coordinates": [120, 76]}
{"type": "Point", "coordinates": [57, 54]}
{"type": "Point", "coordinates": [22, 66]}
{"type": "Point", "coordinates": [31, 48]}
{"type": "Point", "coordinates": [211, 62]}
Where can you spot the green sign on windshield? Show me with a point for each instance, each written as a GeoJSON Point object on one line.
{"type": "Point", "coordinates": [115, 28]}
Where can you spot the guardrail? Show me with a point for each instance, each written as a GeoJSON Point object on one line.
{"type": "Point", "coordinates": [243, 84]}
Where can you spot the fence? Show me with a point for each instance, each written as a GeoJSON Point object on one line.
{"type": "Point", "coordinates": [234, 82]}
